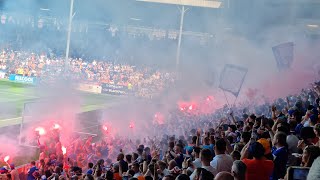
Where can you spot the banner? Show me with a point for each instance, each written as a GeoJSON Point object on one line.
{"type": "Point", "coordinates": [283, 53]}
{"type": "Point", "coordinates": [90, 88]}
{"type": "Point", "coordinates": [114, 89]}
{"type": "Point", "coordinates": [231, 78]}
{"type": "Point", "coordinates": [23, 79]}
{"type": "Point", "coordinates": [2, 75]}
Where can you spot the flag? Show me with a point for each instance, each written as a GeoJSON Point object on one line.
{"type": "Point", "coordinates": [283, 53]}
{"type": "Point", "coordinates": [232, 78]}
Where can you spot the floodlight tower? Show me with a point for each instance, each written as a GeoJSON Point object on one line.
{"type": "Point", "coordinates": [183, 10]}
{"type": "Point", "coordinates": [66, 64]}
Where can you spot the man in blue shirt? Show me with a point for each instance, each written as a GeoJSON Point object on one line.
{"type": "Point", "coordinates": [280, 155]}
{"type": "Point", "coordinates": [32, 170]}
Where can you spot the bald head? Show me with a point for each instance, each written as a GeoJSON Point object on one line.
{"type": "Point", "coordinates": [224, 176]}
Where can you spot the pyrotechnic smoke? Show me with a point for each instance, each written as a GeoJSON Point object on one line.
{"type": "Point", "coordinates": [242, 34]}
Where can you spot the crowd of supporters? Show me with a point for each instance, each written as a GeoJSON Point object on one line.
{"type": "Point", "coordinates": [269, 141]}
{"type": "Point", "coordinates": [272, 141]}
{"type": "Point", "coordinates": [47, 68]}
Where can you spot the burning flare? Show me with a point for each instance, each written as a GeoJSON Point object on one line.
{"type": "Point", "coordinates": [56, 126]}
{"type": "Point", "coordinates": [6, 159]}
{"type": "Point", "coordinates": [64, 150]}
{"type": "Point", "coordinates": [105, 128]}
{"type": "Point", "coordinates": [41, 131]}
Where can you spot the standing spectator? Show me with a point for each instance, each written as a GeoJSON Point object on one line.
{"type": "Point", "coordinates": [197, 161]}
{"type": "Point", "coordinates": [177, 154]}
{"type": "Point", "coordinates": [135, 168]}
{"type": "Point", "coordinates": [32, 170]}
{"type": "Point", "coordinates": [238, 170]}
{"type": "Point", "coordinates": [90, 168]}
{"type": "Point", "coordinates": [280, 154]}
{"type": "Point", "coordinates": [258, 167]}
{"type": "Point", "coordinates": [14, 173]}
{"type": "Point", "coordinates": [205, 157]}
{"type": "Point", "coordinates": [310, 153]}
{"type": "Point", "coordinates": [122, 163]}
{"type": "Point", "coordinates": [314, 172]}
{"type": "Point", "coordinates": [222, 161]}
{"type": "Point", "coordinates": [224, 176]}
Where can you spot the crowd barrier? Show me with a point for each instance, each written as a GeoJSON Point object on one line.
{"type": "Point", "coordinates": [23, 79]}
{"type": "Point", "coordinates": [114, 89]}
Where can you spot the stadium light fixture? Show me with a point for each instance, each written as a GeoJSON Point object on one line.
{"type": "Point", "coordinates": [183, 10]}
{"type": "Point", "coordinates": [197, 3]}
{"type": "Point", "coordinates": [313, 25]}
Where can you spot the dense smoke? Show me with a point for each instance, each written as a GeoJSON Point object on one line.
{"type": "Point", "coordinates": [242, 35]}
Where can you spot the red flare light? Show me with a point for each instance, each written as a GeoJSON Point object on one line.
{"type": "Point", "coordinates": [64, 150]}
{"type": "Point", "coordinates": [56, 126]}
{"type": "Point", "coordinates": [131, 125]}
{"type": "Point", "coordinates": [190, 107]}
{"type": "Point", "coordinates": [6, 159]}
{"type": "Point", "coordinates": [105, 128]}
{"type": "Point", "coordinates": [41, 131]}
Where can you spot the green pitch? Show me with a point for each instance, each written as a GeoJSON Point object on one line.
{"type": "Point", "coordinates": [13, 96]}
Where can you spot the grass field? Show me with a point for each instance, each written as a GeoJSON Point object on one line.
{"type": "Point", "coordinates": [13, 96]}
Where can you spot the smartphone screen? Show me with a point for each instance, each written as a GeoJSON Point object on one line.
{"type": "Point", "coordinates": [300, 174]}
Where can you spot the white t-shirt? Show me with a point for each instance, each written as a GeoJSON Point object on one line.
{"type": "Point", "coordinates": [222, 162]}
{"type": "Point", "coordinates": [197, 163]}
{"type": "Point", "coordinates": [208, 168]}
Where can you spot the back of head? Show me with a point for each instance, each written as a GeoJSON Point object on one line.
{"type": "Point", "coordinates": [224, 176]}
{"type": "Point", "coordinates": [256, 150]}
{"type": "Point", "coordinates": [307, 132]}
{"type": "Point", "coordinates": [281, 138]}
{"type": "Point", "coordinates": [182, 177]}
{"type": "Point", "coordinates": [90, 165]}
{"type": "Point", "coordinates": [206, 155]}
{"type": "Point", "coordinates": [239, 169]}
{"type": "Point", "coordinates": [221, 145]}
{"type": "Point", "coordinates": [197, 149]}
{"type": "Point", "coordinates": [246, 136]}
{"type": "Point", "coordinates": [313, 152]}
{"type": "Point", "coordinates": [194, 139]}
{"type": "Point", "coordinates": [206, 175]}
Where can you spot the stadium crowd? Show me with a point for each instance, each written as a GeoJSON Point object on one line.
{"type": "Point", "coordinates": [278, 141]}
{"type": "Point", "coordinates": [143, 81]}
{"type": "Point", "coordinates": [269, 141]}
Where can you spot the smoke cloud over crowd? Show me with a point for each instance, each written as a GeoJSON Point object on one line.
{"type": "Point", "coordinates": [240, 33]}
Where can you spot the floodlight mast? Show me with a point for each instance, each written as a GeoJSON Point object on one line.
{"type": "Point", "coordinates": [183, 10]}
{"type": "Point", "coordinates": [66, 64]}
